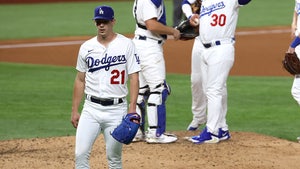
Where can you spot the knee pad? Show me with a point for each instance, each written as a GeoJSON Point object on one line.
{"type": "Point", "coordinates": [161, 91]}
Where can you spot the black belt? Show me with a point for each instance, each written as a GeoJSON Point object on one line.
{"type": "Point", "coordinates": [219, 42]}
{"type": "Point", "coordinates": [145, 38]}
{"type": "Point", "coordinates": [106, 102]}
{"type": "Point", "coordinates": [208, 45]}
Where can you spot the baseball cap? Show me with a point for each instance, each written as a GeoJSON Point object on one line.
{"type": "Point", "coordinates": [104, 12]}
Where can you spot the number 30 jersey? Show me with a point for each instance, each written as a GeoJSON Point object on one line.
{"type": "Point", "coordinates": [107, 68]}
{"type": "Point", "coordinates": [218, 19]}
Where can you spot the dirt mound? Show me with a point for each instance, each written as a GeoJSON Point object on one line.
{"type": "Point", "coordinates": [242, 151]}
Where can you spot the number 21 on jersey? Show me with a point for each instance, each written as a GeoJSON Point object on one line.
{"type": "Point", "coordinates": [118, 77]}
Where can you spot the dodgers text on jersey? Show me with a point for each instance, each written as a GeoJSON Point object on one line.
{"type": "Point", "coordinates": [106, 62]}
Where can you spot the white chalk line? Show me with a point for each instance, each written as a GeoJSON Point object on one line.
{"type": "Point", "coordinates": [241, 33]}
{"type": "Point", "coordinates": [40, 44]}
{"type": "Point", "coordinates": [66, 43]}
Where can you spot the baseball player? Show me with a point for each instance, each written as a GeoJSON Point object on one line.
{"type": "Point", "coordinates": [105, 63]}
{"type": "Point", "coordinates": [150, 34]}
{"type": "Point", "coordinates": [294, 47]}
{"type": "Point", "coordinates": [215, 51]}
{"type": "Point", "coordinates": [199, 102]}
{"type": "Point", "coordinates": [198, 98]}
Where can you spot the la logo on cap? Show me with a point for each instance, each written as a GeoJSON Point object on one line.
{"type": "Point", "coordinates": [104, 12]}
{"type": "Point", "coordinates": [101, 11]}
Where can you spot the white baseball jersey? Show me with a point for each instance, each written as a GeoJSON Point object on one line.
{"type": "Point", "coordinates": [146, 9]}
{"type": "Point", "coordinates": [186, 8]}
{"type": "Point", "coordinates": [222, 17]}
{"type": "Point", "coordinates": [216, 13]}
{"type": "Point", "coordinates": [107, 67]}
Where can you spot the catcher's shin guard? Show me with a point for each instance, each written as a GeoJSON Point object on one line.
{"type": "Point", "coordinates": [141, 105]}
{"type": "Point", "coordinates": [161, 92]}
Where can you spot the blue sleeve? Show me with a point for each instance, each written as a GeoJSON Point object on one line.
{"type": "Point", "coordinates": [185, 2]}
{"type": "Point", "coordinates": [157, 3]}
{"type": "Point", "coordinates": [296, 42]}
{"type": "Point", "coordinates": [243, 2]}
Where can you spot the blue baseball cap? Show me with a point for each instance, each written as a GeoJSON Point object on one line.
{"type": "Point", "coordinates": [104, 12]}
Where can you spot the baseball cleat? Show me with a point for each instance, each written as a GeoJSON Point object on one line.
{"type": "Point", "coordinates": [162, 139]}
{"type": "Point", "coordinates": [223, 135]}
{"type": "Point", "coordinates": [194, 125]}
{"type": "Point", "coordinates": [192, 128]}
{"type": "Point", "coordinates": [204, 137]}
{"type": "Point", "coordinates": [139, 136]}
{"type": "Point", "coordinates": [138, 139]}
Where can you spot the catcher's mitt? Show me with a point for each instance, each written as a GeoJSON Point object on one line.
{"type": "Point", "coordinates": [291, 63]}
{"type": "Point", "coordinates": [126, 131]}
{"type": "Point", "coordinates": [187, 31]}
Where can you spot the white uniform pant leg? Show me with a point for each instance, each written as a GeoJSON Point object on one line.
{"type": "Point", "coordinates": [158, 71]}
{"type": "Point", "coordinates": [296, 88]}
{"type": "Point", "coordinates": [216, 65]}
{"type": "Point", "coordinates": [113, 149]}
{"type": "Point", "coordinates": [223, 122]}
{"type": "Point", "coordinates": [199, 101]}
{"type": "Point", "coordinates": [87, 131]}
{"type": "Point", "coordinates": [113, 117]}
{"type": "Point", "coordinates": [94, 119]}
{"type": "Point", "coordinates": [154, 72]}
{"type": "Point", "coordinates": [141, 98]}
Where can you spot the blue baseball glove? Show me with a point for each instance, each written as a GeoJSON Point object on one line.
{"type": "Point", "coordinates": [126, 131]}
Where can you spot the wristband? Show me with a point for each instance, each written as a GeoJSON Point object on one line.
{"type": "Point", "coordinates": [296, 42]}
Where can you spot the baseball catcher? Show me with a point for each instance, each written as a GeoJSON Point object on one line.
{"type": "Point", "coordinates": [125, 132]}
{"type": "Point", "coordinates": [189, 28]}
{"type": "Point", "coordinates": [291, 63]}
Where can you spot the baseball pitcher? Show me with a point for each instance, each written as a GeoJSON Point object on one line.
{"type": "Point", "coordinates": [105, 63]}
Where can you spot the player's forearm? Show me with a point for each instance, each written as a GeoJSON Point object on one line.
{"type": "Point", "coordinates": [78, 93]}
{"type": "Point", "coordinates": [134, 91]}
{"type": "Point", "coordinates": [294, 22]}
{"type": "Point", "coordinates": [154, 26]}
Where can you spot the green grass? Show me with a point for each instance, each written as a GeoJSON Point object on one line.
{"type": "Point", "coordinates": [75, 19]}
{"type": "Point", "coordinates": [36, 102]}
{"type": "Point", "coordinates": [266, 13]}
{"type": "Point", "coordinates": [58, 19]}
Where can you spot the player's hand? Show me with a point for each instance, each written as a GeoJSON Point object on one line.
{"type": "Point", "coordinates": [75, 119]}
{"type": "Point", "coordinates": [291, 50]}
{"type": "Point", "coordinates": [176, 34]}
{"type": "Point", "coordinates": [194, 20]}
